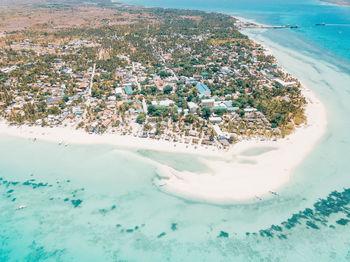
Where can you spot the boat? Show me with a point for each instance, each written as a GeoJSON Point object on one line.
{"type": "Point", "coordinates": [21, 207]}
{"type": "Point", "coordinates": [294, 26]}
{"type": "Point", "coordinates": [323, 23]}
{"type": "Point", "coordinates": [274, 193]}
{"type": "Point", "coordinates": [257, 197]}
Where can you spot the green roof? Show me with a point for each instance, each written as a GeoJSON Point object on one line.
{"type": "Point", "coordinates": [128, 90]}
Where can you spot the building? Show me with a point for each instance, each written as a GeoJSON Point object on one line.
{"type": "Point", "coordinates": [208, 102]}
{"type": "Point", "coordinates": [203, 89]}
{"type": "Point", "coordinates": [215, 119]}
{"type": "Point", "coordinates": [128, 90]}
{"type": "Point", "coordinates": [163, 103]}
{"type": "Point", "coordinates": [192, 106]}
{"type": "Point", "coordinates": [285, 84]}
{"type": "Point", "coordinates": [119, 91]}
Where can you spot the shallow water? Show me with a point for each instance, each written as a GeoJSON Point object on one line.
{"type": "Point", "coordinates": [257, 151]}
{"type": "Point", "coordinates": [98, 203]}
{"type": "Point", "coordinates": [183, 162]}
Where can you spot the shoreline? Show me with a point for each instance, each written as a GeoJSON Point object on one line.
{"type": "Point", "coordinates": [246, 178]}
{"type": "Point", "coordinates": [239, 177]}
{"type": "Point", "coordinates": [236, 176]}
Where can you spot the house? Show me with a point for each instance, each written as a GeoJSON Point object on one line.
{"type": "Point", "coordinates": [83, 85]}
{"type": "Point", "coordinates": [106, 122]}
{"type": "Point", "coordinates": [112, 98]}
{"type": "Point", "coordinates": [128, 90]}
{"type": "Point", "coordinates": [163, 103]}
{"type": "Point", "coordinates": [285, 84]}
{"type": "Point", "coordinates": [208, 102]}
{"type": "Point", "coordinates": [52, 100]}
{"type": "Point", "coordinates": [77, 110]}
{"type": "Point", "coordinates": [192, 106]}
{"type": "Point", "coordinates": [215, 119]}
{"type": "Point", "coordinates": [198, 77]}
{"type": "Point", "coordinates": [119, 91]}
{"type": "Point", "coordinates": [248, 110]}
{"type": "Point", "coordinates": [203, 89]}
{"type": "Point", "coordinates": [9, 69]}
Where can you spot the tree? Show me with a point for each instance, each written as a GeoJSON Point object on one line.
{"type": "Point", "coordinates": [190, 118]}
{"type": "Point", "coordinates": [151, 109]}
{"type": "Point", "coordinates": [220, 111]}
{"type": "Point", "coordinates": [141, 118]}
{"type": "Point", "coordinates": [206, 112]}
{"type": "Point", "coordinates": [232, 140]}
{"type": "Point", "coordinates": [65, 98]}
{"type": "Point", "coordinates": [168, 89]}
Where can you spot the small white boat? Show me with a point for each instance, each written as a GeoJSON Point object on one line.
{"type": "Point", "coordinates": [274, 193]}
{"type": "Point", "coordinates": [21, 207]}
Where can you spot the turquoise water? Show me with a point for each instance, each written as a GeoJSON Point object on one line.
{"type": "Point", "coordinates": [98, 203]}
{"type": "Point", "coordinates": [257, 151]}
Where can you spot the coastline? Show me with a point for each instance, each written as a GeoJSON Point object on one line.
{"type": "Point", "coordinates": [242, 177]}
{"type": "Point", "coordinates": [234, 177]}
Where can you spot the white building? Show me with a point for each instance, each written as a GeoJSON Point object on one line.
{"type": "Point", "coordinates": [215, 119]}
{"type": "Point", "coordinates": [208, 102]}
{"type": "Point", "coordinates": [119, 91]}
{"type": "Point", "coordinates": [285, 84]}
{"type": "Point", "coordinates": [192, 106]}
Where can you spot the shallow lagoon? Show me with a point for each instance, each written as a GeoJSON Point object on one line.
{"type": "Point", "coordinates": [87, 203]}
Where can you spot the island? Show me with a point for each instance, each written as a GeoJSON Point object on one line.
{"type": "Point", "coordinates": [191, 79]}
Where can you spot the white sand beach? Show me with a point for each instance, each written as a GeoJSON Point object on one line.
{"type": "Point", "coordinates": [235, 177]}
{"type": "Point", "coordinates": [245, 177]}
{"type": "Point", "coordinates": [242, 177]}
{"type": "Point", "coordinates": [239, 174]}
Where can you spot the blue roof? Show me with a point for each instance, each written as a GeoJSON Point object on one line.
{"type": "Point", "coordinates": [202, 88]}
{"type": "Point", "coordinates": [128, 90]}
{"type": "Point", "coordinates": [218, 107]}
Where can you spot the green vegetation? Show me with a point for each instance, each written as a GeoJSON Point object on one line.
{"type": "Point", "coordinates": [108, 78]}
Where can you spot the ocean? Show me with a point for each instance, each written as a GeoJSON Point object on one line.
{"type": "Point", "coordinates": [99, 203]}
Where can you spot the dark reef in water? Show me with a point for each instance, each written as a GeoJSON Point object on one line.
{"type": "Point", "coordinates": [76, 202]}
{"type": "Point", "coordinates": [342, 221]}
{"type": "Point", "coordinates": [105, 211]}
{"type": "Point", "coordinates": [39, 253]}
{"type": "Point", "coordinates": [223, 234]}
{"type": "Point", "coordinates": [34, 185]}
{"type": "Point", "coordinates": [173, 226]}
{"type": "Point", "coordinates": [161, 235]}
{"type": "Point", "coordinates": [314, 218]}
